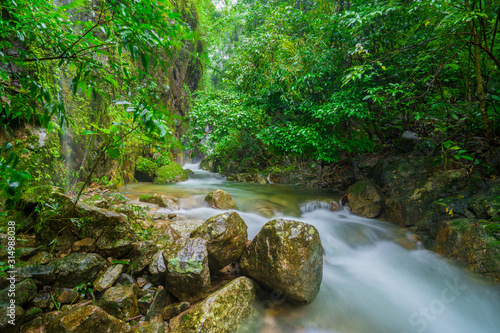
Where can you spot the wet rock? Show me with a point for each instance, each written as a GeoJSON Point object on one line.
{"type": "Point", "coordinates": [158, 268]}
{"type": "Point", "coordinates": [220, 199]}
{"type": "Point", "coordinates": [156, 327]}
{"type": "Point", "coordinates": [265, 210]}
{"type": "Point", "coordinates": [25, 291]}
{"type": "Point", "coordinates": [160, 301]}
{"type": "Point", "coordinates": [144, 303]}
{"type": "Point", "coordinates": [366, 199]}
{"type": "Point", "coordinates": [312, 205]}
{"type": "Point", "coordinates": [84, 245]}
{"type": "Point", "coordinates": [87, 319]}
{"type": "Point", "coordinates": [121, 302]}
{"type": "Point", "coordinates": [126, 279]}
{"type": "Point", "coordinates": [34, 326]}
{"type": "Point", "coordinates": [164, 233]}
{"type": "Point", "coordinates": [188, 275]}
{"type": "Point", "coordinates": [41, 258]}
{"type": "Point", "coordinates": [77, 268]}
{"type": "Point", "coordinates": [115, 242]}
{"type": "Point", "coordinates": [171, 173]}
{"type": "Point", "coordinates": [286, 255]}
{"type": "Point", "coordinates": [43, 273]}
{"type": "Point", "coordinates": [224, 311]}
{"type": "Point", "coordinates": [68, 296]}
{"type": "Point", "coordinates": [225, 235]}
{"type": "Point", "coordinates": [41, 300]}
{"type": "Point", "coordinates": [9, 316]}
{"type": "Point", "coordinates": [108, 277]}
{"type": "Point", "coordinates": [465, 240]}
{"type": "Point", "coordinates": [32, 313]}
{"type": "Point", "coordinates": [170, 311]}
{"type": "Point", "coordinates": [160, 200]}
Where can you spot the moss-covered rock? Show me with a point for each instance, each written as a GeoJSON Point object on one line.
{"type": "Point", "coordinates": [365, 198]}
{"type": "Point", "coordinates": [25, 291]}
{"type": "Point", "coordinates": [108, 277]}
{"type": "Point", "coordinates": [145, 169]}
{"type": "Point", "coordinates": [8, 316]}
{"type": "Point", "coordinates": [121, 302]}
{"type": "Point", "coordinates": [161, 299]}
{"type": "Point", "coordinates": [226, 235]}
{"type": "Point", "coordinates": [77, 268]}
{"type": "Point", "coordinates": [286, 255]}
{"type": "Point", "coordinates": [87, 319]}
{"type": "Point", "coordinates": [223, 311]}
{"type": "Point", "coordinates": [220, 199]}
{"type": "Point", "coordinates": [43, 273]}
{"type": "Point", "coordinates": [187, 276]}
{"type": "Point", "coordinates": [160, 200]}
{"type": "Point", "coordinates": [171, 173]}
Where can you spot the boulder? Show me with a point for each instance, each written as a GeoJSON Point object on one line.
{"type": "Point", "coordinates": [188, 275]}
{"type": "Point", "coordinates": [161, 299]}
{"type": "Point", "coordinates": [141, 255]}
{"type": "Point", "coordinates": [158, 268]}
{"type": "Point", "coordinates": [8, 316]}
{"type": "Point", "coordinates": [89, 318]}
{"type": "Point", "coordinates": [108, 277]}
{"type": "Point", "coordinates": [41, 258]}
{"type": "Point", "coordinates": [77, 268]}
{"type": "Point", "coordinates": [160, 200]}
{"type": "Point", "coordinates": [68, 296]}
{"type": "Point", "coordinates": [84, 245]}
{"type": "Point", "coordinates": [43, 273]}
{"type": "Point", "coordinates": [365, 198]}
{"type": "Point", "coordinates": [220, 199]}
{"type": "Point", "coordinates": [25, 292]}
{"type": "Point", "coordinates": [286, 255]}
{"type": "Point", "coordinates": [173, 310]}
{"type": "Point", "coordinates": [121, 302]}
{"type": "Point", "coordinates": [145, 300]}
{"type": "Point", "coordinates": [115, 242]}
{"type": "Point", "coordinates": [223, 311]}
{"type": "Point", "coordinates": [156, 327]}
{"type": "Point", "coordinates": [170, 173]}
{"type": "Point", "coordinates": [226, 236]}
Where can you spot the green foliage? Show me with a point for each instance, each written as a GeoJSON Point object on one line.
{"type": "Point", "coordinates": [325, 80]}
{"type": "Point", "coordinates": [493, 230]}
{"type": "Point", "coordinates": [146, 165]}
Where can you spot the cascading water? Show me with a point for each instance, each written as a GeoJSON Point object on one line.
{"type": "Point", "coordinates": [370, 282]}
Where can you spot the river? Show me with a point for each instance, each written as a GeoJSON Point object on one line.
{"type": "Point", "coordinates": [371, 284]}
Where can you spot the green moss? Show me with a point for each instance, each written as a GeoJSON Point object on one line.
{"type": "Point", "coordinates": [145, 197]}
{"type": "Point", "coordinates": [171, 173]}
{"type": "Point", "coordinates": [145, 165]}
{"type": "Point", "coordinates": [493, 229]}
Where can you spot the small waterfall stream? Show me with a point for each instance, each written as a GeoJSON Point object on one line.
{"type": "Point", "coordinates": [371, 284]}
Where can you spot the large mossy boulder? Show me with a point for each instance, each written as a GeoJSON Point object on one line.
{"type": "Point", "coordinates": [89, 318]}
{"type": "Point", "coordinates": [286, 255]}
{"type": "Point", "coordinates": [121, 302]}
{"type": "Point", "coordinates": [223, 311]}
{"type": "Point", "coordinates": [366, 198]}
{"type": "Point", "coordinates": [226, 236]}
{"type": "Point", "coordinates": [77, 268]}
{"type": "Point", "coordinates": [220, 199]}
{"type": "Point", "coordinates": [108, 277]}
{"type": "Point", "coordinates": [170, 173]}
{"type": "Point", "coordinates": [187, 276]}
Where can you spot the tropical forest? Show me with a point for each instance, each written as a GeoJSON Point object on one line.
{"type": "Point", "coordinates": [253, 166]}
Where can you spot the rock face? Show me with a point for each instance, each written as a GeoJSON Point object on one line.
{"type": "Point", "coordinates": [77, 268]}
{"type": "Point", "coordinates": [366, 199]}
{"type": "Point", "coordinates": [87, 319]}
{"type": "Point", "coordinates": [187, 276]}
{"type": "Point", "coordinates": [226, 235]}
{"type": "Point", "coordinates": [121, 302]}
{"type": "Point", "coordinates": [220, 199]}
{"type": "Point", "coordinates": [160, 200]}
{"type": "Point", "coordinates": [286, 255]}
{"type": "Point", "coordinates": [223, 311]}
{"type": "Point", "coordinates": [171, 173]}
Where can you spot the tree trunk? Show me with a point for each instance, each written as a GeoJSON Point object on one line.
{"type": "Point", "coordinates": [480, 86]}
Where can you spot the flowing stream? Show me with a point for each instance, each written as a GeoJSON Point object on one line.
{"type": "Point", "coordinates": [371, 283]}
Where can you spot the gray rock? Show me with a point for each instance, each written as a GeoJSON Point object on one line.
{"type": "Point", "coordinates": [44, 273]}
{"type": "Point", "coordinates": [226, 236]}
{"type": "Point", "coordinates": [121, 302]}
{"type": "Point", "coordinates": [108, 277]}
{"type": "Point", "coordinates": [77, 268]}
{"type": "Point", "coordinates": [25, 292]}
{"type": "Point", "coordinates": [221, 312]}
{"type": "Point", "coordinates": [286, 255]}
{"type": "Point", "coordinates": [220, 199]}
{"type": "Point", "coordinates": [188, 275]}
{"type": "Point", "coordinates": [158, 268]}
{"type": "Point", "coordinates": [9, 316]}
{"type": "Point", "coordinates": [160, 200]}
{"type": "Point", "coordinates": [160, 301]}
{"type": "Point", "coordinates": [87, 319]}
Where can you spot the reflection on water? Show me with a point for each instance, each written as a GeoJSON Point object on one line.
{"type": "Point", "coordinates": [370, 282]}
